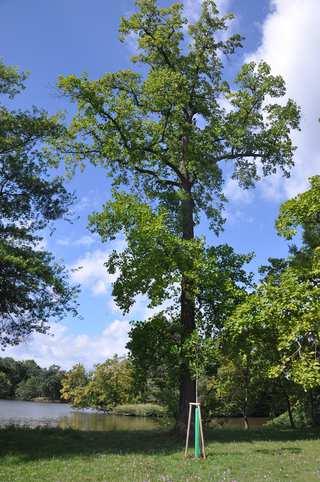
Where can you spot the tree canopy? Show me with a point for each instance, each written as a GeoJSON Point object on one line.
{"type": "Point", "coordinates": [33, 287]}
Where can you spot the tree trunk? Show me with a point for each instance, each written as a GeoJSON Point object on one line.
{"type": "Point", "coordinates": [187, 313]}
{"type": "Point", "coordinates": [245, 408]}
{"type": "Point", "coordinates": [290, 411]}
{"type": "Point", "coordinates": [246, 422]}
{"type": "Point", "coordinates": [312, 410]}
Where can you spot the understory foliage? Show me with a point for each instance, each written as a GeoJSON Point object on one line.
{"type": "Point", "coordinates": [33, 286]}
{"type": "Point", "coordinates": [163, 133]}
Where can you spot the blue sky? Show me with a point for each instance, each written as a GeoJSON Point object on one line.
{"type": "Point", "coordinates": [71, 36]}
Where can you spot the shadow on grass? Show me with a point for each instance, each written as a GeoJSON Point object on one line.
{"type": "Point", "coordinates": [280, 451]}
{"type": "Point", "coordinates": [262, 434]}
{"type": "Point", "coordinates": [44, 443]}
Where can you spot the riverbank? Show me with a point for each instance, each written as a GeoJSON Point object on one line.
{"type": "Point", "coordinates": [232, 455]}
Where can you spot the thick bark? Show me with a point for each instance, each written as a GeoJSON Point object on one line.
{"type": "Point", "coordinates": [187, 313]}
{"type": "Point", "coordinates": [187, 384]}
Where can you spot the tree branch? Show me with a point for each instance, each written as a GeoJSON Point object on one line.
{"type": "Point", "coordinates": [154, 174]}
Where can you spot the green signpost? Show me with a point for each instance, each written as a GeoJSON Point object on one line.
{"type": "Point", "coordinates": [197, 447]}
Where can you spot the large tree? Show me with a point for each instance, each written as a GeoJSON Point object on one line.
{"type": "Point", "coordinates": [166, 130]}
{"type": "Point", "coordinates": [33, 287]}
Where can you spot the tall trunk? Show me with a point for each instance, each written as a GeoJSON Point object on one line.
{"type": "Point", "coordinates": [288, 402]}
{"type": "Point", "coordinates": [245, 401]}
{"type": "Point", "coordinates": [289, 408]}
{"type": "Point", "coordinates": [246, 422]}
{"type": "Point", "coordinates": [187, 313]}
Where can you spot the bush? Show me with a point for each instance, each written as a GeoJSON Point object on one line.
{"type": "Point", "coordinates": [141, 410]}
{"type": "Point", "coordinates": [300, 418]}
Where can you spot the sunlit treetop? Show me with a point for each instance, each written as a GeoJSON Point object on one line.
{"type": "Point", "coordinates": [168, 126]}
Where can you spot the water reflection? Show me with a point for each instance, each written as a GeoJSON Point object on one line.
{"type": "Point", "coordinates": [33, 414]}
{"type": "Point", "coordinates": [97, 421]}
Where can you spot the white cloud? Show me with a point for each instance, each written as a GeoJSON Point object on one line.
{"type": "Point", "coordinates": [192, 9]}
{"type": "Point", "coordinates": [64, 241]}
{"type": "Point", "coordinates": [140, 310]}
{"type": "Point", "coordinates": [90, 271]}
{"type": "Point", "coordinates": [290, 44]}
{"type": "Point", "coordinates": [235, 193]}
{"type": "Point", "coordinates": [132, 43]}
{"type": "Point", "coordinates": [92, 200]}
{"type": "Point", "coordinates": [99, 288]}
{"type": "Point", "coordinates": [65, 349]}
{"type": "Point", "coordinates": [85, 240]}
{"type": "Point", "coordinates": [238, 216]}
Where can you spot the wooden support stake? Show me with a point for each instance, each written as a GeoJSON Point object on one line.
{"type": "Point", "coordinates": [188, 429]}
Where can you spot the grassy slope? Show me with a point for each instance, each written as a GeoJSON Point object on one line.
{"type": "Point", "coordinates": [66, 455]}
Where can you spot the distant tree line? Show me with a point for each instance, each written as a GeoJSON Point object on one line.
{"type": "Point", "coordinates": [25, 380]}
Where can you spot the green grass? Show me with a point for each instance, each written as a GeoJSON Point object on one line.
{"type": "Point", "coordinates": [233, 455]}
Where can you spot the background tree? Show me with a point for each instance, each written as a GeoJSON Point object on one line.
{"type": "Point", "coordinates": [33, 287]}
{"type": "Point", "coordinates": [73, 386]}
{"type": "Point", "coordinates": [303, 212]}
{"type": "Point", "coordinates": [282, 316]}
{"type": "Point", "coordinates": [52, 382]}
{"type": "Point", "coordinates": [25, 380]}
{"type": "Point", "coordinates": [5, 386]}
{"type": "Point", "coordinates": [155, 346]}
{"type": "Point", "coordinates": [13, 371]}
{"type": "Point", "coordinates": [111, 384]}
{"type": "Point", "coordinates": [29, 388]}
{"type": "Point", "coordinates": [165, 133]}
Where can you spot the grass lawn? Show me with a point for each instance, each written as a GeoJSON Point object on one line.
{"type": "Point", "coordinates": [233, 455]}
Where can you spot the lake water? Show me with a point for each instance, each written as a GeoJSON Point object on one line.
{"type": "Point", "coordinates": [34, 414]}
